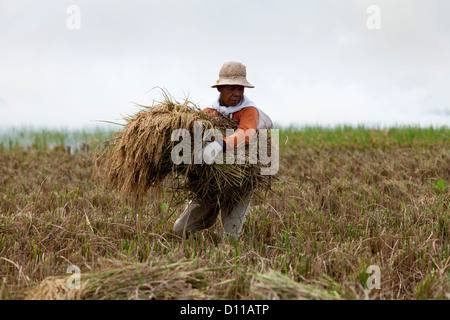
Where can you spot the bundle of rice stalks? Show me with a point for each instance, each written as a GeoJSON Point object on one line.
{"type": "Point", "coordinates": [124, 281]}
{"type": "Point", "coordinates": [276, 286]}
{"type": "Point", "coordinates": [140, 157]}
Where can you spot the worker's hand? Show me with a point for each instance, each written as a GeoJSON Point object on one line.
{"type": "Point", "coordinates": [212, 150]}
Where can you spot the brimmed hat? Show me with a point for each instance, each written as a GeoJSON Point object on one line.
{"type": "Point", "coordinates": [233, 74]}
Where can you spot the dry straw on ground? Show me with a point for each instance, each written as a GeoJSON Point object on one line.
{"type": "Point", "coordinates": [166, 280]}
{"type": "Point", "coordinates": [157, 280]}
{"type": "Point", "coordinates": [138, 158]}
{"type": "Point", "coordinates": [274, 285]}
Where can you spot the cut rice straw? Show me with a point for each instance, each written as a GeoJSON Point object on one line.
{"type": "Point", "coordinates": [138, 159]}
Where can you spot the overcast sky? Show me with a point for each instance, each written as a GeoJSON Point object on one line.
{"type": "Point", "coordinates": [311, 62]}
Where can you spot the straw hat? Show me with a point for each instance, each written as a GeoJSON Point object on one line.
{"type": "Point", "coordinates": [233, 73]}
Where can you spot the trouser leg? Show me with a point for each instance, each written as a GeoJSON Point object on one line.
{"type": "Point", "coordinates": [234, 220]}
{"type": "Point", "coordinates": [196, 217]}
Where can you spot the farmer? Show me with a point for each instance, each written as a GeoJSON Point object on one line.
{"type": "Point", "coordinates": [231, 103]}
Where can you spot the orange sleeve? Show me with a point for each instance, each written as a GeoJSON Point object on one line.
{"type": "Point", "coordinates": [247, 119]}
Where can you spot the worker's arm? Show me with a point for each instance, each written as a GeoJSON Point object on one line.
{"type": "Point", "coordinates": [248, 122]}
{"type": "Point", "coordinates": [210, 111]}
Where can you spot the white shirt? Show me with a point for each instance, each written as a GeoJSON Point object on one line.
{"type": "Point", "coordinates": [264, 122]}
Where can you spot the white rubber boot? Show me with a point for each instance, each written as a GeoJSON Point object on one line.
{"type": "Point", "coordinates": [195, 219]}
{"type": "Point", "coordinates": [234, 221]}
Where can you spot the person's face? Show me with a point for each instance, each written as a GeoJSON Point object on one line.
{"type": "Point", "coordinates": [230, 96]}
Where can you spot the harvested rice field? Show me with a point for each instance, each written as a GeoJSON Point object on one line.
{"type": "Point", "coordinates": [354, 213]}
